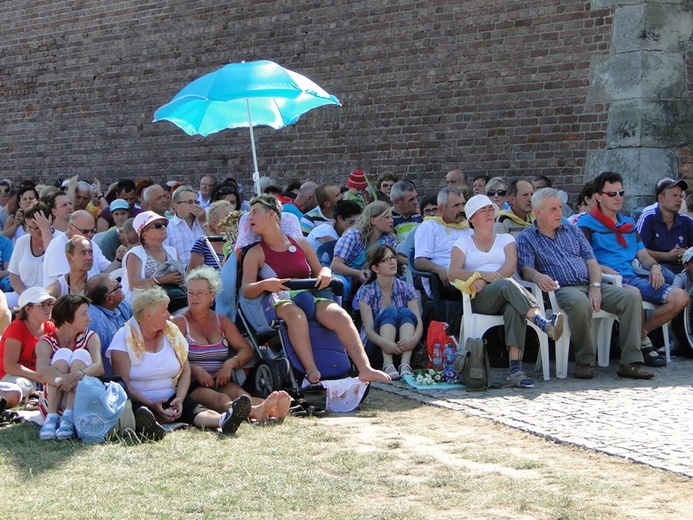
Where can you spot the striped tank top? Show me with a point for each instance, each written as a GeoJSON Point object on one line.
{"type": "Point", "coordinates": [208, 357]}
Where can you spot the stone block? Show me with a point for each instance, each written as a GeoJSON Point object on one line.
{"type": "Point", "coordinates": [641, 74]}
{"type": "Point", "coordinates": [640, 168]}
{"type": "Point", "coordinates": [658, 27]}
{"type": "Point", "coordinates": [657, 124]}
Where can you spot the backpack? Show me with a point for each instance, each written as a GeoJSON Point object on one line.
{"type": "Point", "coordinates": [473, 366]}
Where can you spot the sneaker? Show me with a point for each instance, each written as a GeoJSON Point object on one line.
{"type": "Point", "coordinates": [234, 416]}
{"type": "Point", "coordinates": [48, 430]}
{"type": "Point", "coordinates": [555, 328]}
{"type": "Point", "coordinates": [521, 380]}
{"type": "Point", "coordinates": [66, 430]}
{"type": "Point", "coordinates": [147, 426]}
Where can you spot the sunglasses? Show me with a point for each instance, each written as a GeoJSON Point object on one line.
{"type": "Point", "coordinates": [160, 224]}
{"type": "Point", "coordinates": [85, 231]}
{"type": "Point", "coordinates": [117, 288]}
{"type": "Point", "coordinates": [613, 193]}
{"type": "Point", "coordinates": [500, 193]}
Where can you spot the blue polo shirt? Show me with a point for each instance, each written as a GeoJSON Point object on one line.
{"type": "Point", "coordinates": [656, 236]}
{"type": "Point", "coordinates": [106, 323]}
{"type": "Point", "coordinates": [606, 248]}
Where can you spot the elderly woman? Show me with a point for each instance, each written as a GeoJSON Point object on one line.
{"type": "Point", "coordinates": [153, 263]}
{"type": "Point", "coordinates": [497, 191]}
{"type": "Point", "coordinates": [18, 375]}
{"type": "Point", "coordinates": [63, 358]}
{"type": "Point", "coordinates": [374, 226]}
{"type": "Point", "coordinates": [389, 311]}
{"type": "Point", "coordinates": [491, 260]}
{"type": "Point", "coordinates": [150, 353]}
{"type": "Point", "coordinates": [217, 349]}
{"type": "Point", "coordinates": [205, 252]}
{"type": "Point", "coordinates": [279, 258]}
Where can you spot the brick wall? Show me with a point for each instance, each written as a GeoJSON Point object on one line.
{"type": "Point", "coordinates": [493, 86]}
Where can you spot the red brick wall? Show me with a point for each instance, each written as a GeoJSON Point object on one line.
{"type": "Point", "coordinates": [494, 86]}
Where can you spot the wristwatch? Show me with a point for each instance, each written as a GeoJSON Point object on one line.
{"type": "Point", "coordinates": [595, 284]}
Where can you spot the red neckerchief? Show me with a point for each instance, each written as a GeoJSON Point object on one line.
{"type": "Point", "coordinates": [619, 230]}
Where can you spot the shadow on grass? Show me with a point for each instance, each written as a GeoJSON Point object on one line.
{"type": "Point", "coordinates": [21, 448]}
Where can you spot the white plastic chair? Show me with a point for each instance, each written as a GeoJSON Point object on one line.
{"type": "Point", "coordinates": [651, 307]}
{"type": "Point", "coordinates": [474, 325]}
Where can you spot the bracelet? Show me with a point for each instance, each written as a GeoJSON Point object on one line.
{"type": "Point", "coordinates": [84, 374]}
{"type": "Point", "coordinates": [156, 281]}
{"type": "Point", "coordinates": [655, 264]}
{"type": "Point", "coordinates": [119, 260]}
{"type": "Point", "coordinates": [235, 356]}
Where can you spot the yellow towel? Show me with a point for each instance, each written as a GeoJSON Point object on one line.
{"type": "Point", "coordinates": [464, 286]}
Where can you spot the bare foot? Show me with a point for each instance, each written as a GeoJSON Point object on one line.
{"type": "Point", "coordinates": [263, 411]}
{"type": "Point", "coordinates": [283, 403]}
{"type": "Point", "coordinates": [369, 375]}
{"type": "Point", "coordinates": [314, 376]}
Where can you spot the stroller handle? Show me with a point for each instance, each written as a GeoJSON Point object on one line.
{"type": "Point", "coordinates": [309, 283]}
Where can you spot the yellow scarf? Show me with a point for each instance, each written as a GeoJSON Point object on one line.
{"type": "Point", "coordinates": [134, 342]}
{"type": "Point", "coordinates": [464, 286]}
{"type": "Point", "coordinates": [509, 213]}
{"type": "Point", "coordinates": [455, 225]}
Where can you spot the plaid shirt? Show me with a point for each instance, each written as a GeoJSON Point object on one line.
{"type": "Point", "coordinates": [182, 238]}
{"type": "Point", "coordinates": [350, 248]}
{"type": "Point", "coordinates": [563, 257]}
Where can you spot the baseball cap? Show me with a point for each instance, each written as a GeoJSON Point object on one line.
{"type": "Point", "coordinates": [668, 182]}
{"type": "Point", "coordinates": [119, 204]}
{"type": "Point", "coordinates": [476, 203]}
{"type": "Point", "coordinates": [34, 295]}
{"type": "Point", "coordinates": [144, 219]}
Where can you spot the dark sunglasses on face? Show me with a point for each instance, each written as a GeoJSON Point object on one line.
{"type": "Point", "coordinates": [85, 231]}
{"type": "Point", "coordinates": [613, 193]}
{"type": "Point", "coordinates": [117, 288]}
{"type": "Point", "coordinates": [160, 224]}
{"type": "Point", "coordinates": [500, 193]}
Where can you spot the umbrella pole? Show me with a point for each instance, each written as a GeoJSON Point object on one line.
{"type": "Point", "coordinates": [256, 174]}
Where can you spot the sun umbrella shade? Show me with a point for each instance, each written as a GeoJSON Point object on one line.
{"type": "Point", "coordinates": [275, 97]}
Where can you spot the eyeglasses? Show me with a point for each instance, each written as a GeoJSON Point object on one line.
{"type": "Point", "coordinates": [197, 294]}
{"type": "Point", "coordinates": [613, 194]}
{"type": "Point", "coordinates": [430, 211]}
{"type": "Point", "coordinates": [44, 305]}
{"type": "Point", "coordinates": [388, 259]}
{"type": "Point", "coordinates": [85, 231]}
{"type": "Point", "coordinates": [500, 193]}
{"type": "Point", "coordinates": [117, 288]}
{"type": "Point", "coordinates": [160, 224]}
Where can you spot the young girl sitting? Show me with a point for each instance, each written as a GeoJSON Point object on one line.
{"type": "Point", "coordinates": [389, 310]}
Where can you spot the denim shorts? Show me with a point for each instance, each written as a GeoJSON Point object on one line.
{"type": "Point", "coordinates": [648, 293]}
{"type": "Point", "coordinates": [395, 317]}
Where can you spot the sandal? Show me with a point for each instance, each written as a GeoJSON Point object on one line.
{"type": "Point", "coordinates": [652, 358]}
{"type": "Point", "coordinates": [405, 370]}
{"type": "Point", "coordinates": [391, 371]}
{"type": "Point", "coordinates": [49, 428]}
{"type": "Point", "coordinates": [633, 371]}
{"type": "Point", "coordinates": [66, 430]}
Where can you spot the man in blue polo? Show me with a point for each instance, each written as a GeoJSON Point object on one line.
{"type": "Point", "coordinates": [616, 244]}
{"type": "Point", "coordinates": [404, 209]}
{"type": "Point", "coordinates": [557, 257]}
{"type": "Point", "coordinates": [665, 232]}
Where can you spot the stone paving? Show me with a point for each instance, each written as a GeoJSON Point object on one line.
{"type": "Point", "coordinates": [650, 422]}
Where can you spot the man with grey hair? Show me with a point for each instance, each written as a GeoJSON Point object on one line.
{"type": "Point", "coordinates": [435, 237]}
{"type": "Point", "coordinates": [557, 257]}
{"type": "Point", "coordinates": [157, 199]}
{"type": "Point", "coordinates": [55, 261]}
{"type": "Point", "coordinates": [185, 227]}
{"type": "Point", "coordinates": [207, 185]}
{"type": "Point", "coordinates": [404, 209]}
{"type": "Point", "coordinates": [80, 257]}
{"type": "Point", "coordinates": [326, 195]}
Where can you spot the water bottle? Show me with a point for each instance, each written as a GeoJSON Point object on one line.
{"type": "Point", "coordinates": [437, 360]}
{"type": "Point", "coordinates": [449, 357]}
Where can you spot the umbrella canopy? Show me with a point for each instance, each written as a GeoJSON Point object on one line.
{"type": "Point", "coordinates": [258, 93]}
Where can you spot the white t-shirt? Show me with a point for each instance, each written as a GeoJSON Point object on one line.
{"type": "Point", "coordinates": [321, 231]}
{"type": "Point", "coordinates": [434, 242]}
{"type": "Point", "coordinates": [153, 378]}
{"type": "Point", "coordinates": [476, 260]}
{"type": "Point", "coordinates": [24, 264]}
{"type": "Point", "coordinates": [56, 260]}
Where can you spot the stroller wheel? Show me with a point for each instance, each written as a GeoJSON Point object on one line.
{"type": "Point", "coordinates": [267, 377]}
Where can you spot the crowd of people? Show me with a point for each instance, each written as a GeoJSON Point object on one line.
{"type": "Point", "coordinates": [92, 277]}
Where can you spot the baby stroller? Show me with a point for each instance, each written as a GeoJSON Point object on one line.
{"type": "Point", "coordinates": [277, 367]}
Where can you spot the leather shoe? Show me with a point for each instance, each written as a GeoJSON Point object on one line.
{"type": "Point", "coordinates": [633, 371]}
{"type": "Point", "coordinates": [584, 372]}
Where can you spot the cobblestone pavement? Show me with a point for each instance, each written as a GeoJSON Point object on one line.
{"type": "Point", "coordinates": [650, 422]}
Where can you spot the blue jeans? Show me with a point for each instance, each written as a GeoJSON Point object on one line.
{"type": "Point", "coordinates": [388, 316]}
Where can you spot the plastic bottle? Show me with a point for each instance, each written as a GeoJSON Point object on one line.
{"type": "Point", "coordinates": [449, 357]}
{"type": "Point", "coordinates": [437, 360]}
